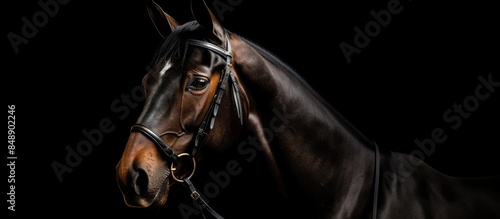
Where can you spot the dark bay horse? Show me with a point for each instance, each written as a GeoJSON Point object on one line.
{"type": "Point", "coordinates": [211, 91]}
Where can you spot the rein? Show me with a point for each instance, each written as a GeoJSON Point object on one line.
{"type": "Point", "coordinates": [208, 123]}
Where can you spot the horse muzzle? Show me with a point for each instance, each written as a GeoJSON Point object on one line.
{"type": "Point", "coordinates": [143, 176]}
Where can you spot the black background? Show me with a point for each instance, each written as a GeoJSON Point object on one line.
{"type": "Point", "coordinates": [64, 80]}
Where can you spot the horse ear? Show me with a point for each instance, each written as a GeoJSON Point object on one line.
{"type": "Point", "coordinates": [206, 18]}
{"type": "Point", "coordinates": [160, 19]}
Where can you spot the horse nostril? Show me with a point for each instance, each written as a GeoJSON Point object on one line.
{"type": "Point", "coordinates": [140, 182]}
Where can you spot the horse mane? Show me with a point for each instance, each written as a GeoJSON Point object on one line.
{"type": "Point", "coordinates": [293, 73]}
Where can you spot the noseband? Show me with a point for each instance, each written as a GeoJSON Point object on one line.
{"type": "Point", "coordinates": [207, 122]}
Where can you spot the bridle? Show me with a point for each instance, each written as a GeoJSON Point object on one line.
{"type": "Point", "coordinates": [207, 122]}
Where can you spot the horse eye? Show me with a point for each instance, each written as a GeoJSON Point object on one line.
{"type": "Point", "coordinates": [197, 83]}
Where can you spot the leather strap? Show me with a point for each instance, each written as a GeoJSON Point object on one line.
{"type": "Point", "coordinates": [157, 140]}
{"type": "Point", "coordinates": [209, 119]}
{"type": "Point", "coordinates": [197, 197]}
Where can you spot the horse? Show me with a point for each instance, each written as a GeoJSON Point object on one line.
{"type": "Point", "coordinates": [212, 95]}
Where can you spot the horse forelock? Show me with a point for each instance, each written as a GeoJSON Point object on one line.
{"type": "Point", "coordinates": [172, 48]}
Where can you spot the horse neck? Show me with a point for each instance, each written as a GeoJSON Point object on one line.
{"type": "Point", "coordinates": [312, 154]}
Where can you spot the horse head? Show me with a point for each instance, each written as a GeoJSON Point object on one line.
{"type": "Point", "coordinates": [190, 85]}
